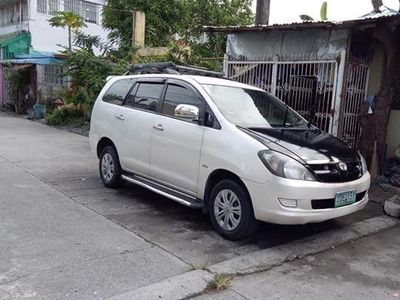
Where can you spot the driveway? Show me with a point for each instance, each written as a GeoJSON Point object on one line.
{"type": "Point", "coordinates": [64, 235]}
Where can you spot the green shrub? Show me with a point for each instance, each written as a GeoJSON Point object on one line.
{"type": "Point", "coordinates": [66, 116]}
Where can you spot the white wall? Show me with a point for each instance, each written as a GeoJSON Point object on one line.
{"type": "Point", "coordinates": [46, 38]}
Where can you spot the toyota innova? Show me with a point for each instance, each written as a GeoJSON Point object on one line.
{"type": "Point", "coordinates": [233, 150]}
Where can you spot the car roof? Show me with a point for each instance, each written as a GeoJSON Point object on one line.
{"type": "Point", "coordinates": [199, 79]}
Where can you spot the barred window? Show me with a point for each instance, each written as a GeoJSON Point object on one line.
{"type": "Point", "coordinates": [89, 11]}
{"type": "Point", "coordinates": [11, 14]}
{"type": "Point", "coordinates": [54, 75]}
{"type": "Point", "coordinates": [47, 7]}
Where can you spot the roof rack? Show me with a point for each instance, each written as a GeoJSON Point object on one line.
{"type": "Point", "coordinates": [171, 68]}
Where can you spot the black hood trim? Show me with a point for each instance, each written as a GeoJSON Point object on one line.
{"type": "Point", "coordinates": [292, 141]}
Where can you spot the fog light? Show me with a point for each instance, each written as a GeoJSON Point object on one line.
{"type": "Point", "coordinates": [292, 203]}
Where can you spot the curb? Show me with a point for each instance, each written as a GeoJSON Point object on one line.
{"type": "Point", "coordinates": [182, 286]}
{"type": "Point", "coordinates": [192, 283]}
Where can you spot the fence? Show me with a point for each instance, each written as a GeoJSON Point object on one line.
{"type": "Point", "coordinates": [306, 86]}
{"type": "Point", "coordinates": [355, 93]}
{"type": "Point", "coordinates": [311, 87]}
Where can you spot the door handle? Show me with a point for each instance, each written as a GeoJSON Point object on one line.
{"type": "Point", "coordinates": [158, 127]}
{"type": "Point", "coordinates": [120, 117]}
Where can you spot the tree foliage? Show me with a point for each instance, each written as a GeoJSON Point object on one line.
{"type": "Point", "coordinates": [199, 13]}
{"type": "Point", "coordinates": [165, 18]}
{"type": "Point", "coordinates": [67, 19]}
{"type": "Point", "coordinates": [161, 19]}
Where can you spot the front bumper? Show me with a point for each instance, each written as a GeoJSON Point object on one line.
{"type": "Point", "coordinates": [265, 199]}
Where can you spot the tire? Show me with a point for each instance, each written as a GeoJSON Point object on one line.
{"type": "Point", "coordinates": [110, 168]}
{"type": "Point", "coordinates": [231, 211]}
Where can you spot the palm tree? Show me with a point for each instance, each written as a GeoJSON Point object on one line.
{"type": "Point", "coordinates": [67, 19]}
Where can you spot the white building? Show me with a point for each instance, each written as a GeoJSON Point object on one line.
{"type": "Point", "coordinates": [32, 16]}
{"type": "Point", "coordinates": [27, 39]}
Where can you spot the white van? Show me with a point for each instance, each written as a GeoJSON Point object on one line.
{"type": "Point", "coordinates": [233, 150]}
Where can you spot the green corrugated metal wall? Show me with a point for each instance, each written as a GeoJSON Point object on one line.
{"type": "Point", "coordinates": [14, 44]}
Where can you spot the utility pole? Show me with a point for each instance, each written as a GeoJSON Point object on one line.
{"type": "Point", "coordinates": [376, 4]}
{"type": "Point", "coordinates": [262, 12]}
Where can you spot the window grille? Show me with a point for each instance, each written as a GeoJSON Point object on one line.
{"type": "Point", "coordinates": [54, 75]}
{"type": "Point", "coordinates": [11, 14]}
{"type": "Point", "coordinates": [89, 11]}
{"type": "Point", "coordinates": [47, 7]}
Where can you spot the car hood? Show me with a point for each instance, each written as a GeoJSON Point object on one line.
{"type": "Point", "coordinates": [305, 145]}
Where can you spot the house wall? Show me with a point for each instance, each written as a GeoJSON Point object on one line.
{"type": "Point", "coordinates": [46, 38]}
{"type": "Point", "coordinates": [307, 44]}
{"type": "Point", "coordinates": [376, 70]}
{"type": "Point", "coordinates": [376, 75]}
{"type": "Point", "coordinates": [393, 133]}
{"type": "Point", "coordinates": [46, 90]}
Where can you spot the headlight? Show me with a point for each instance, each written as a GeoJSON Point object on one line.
{"type": "Point", "coordinates": [364, 166]}
{"type": "Point", "coordinates": [284, 166]}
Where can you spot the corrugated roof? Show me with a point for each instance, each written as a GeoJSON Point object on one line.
{"type": "Point", "coordinates": [306, 25]}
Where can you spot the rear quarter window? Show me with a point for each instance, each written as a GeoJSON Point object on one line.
{"type": "Point", "coordinates": [118, 91]}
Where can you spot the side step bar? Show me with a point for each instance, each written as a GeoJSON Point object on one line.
{"type": "Point", "coordinates": [164, 191]}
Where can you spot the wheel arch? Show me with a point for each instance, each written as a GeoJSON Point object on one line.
{"type": "Point", "coordinates": [104, 142]}
{"type": "Point", "coordinates": [217, 176]}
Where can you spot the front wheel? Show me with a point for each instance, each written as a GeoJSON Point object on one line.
{"type": "Point", "coordinates": [110, 168]}
{"type": "Point", "coordinates": [231, 211]}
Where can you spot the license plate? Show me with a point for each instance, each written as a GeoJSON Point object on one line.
{"type": "Point", "coordinates": [345, 198]}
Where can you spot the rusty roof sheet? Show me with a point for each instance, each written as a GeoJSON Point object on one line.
{"type": "Point", "coordinates": [369, 21]}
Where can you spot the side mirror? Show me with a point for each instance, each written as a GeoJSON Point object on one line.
{"type": "Point", "coordinates": [187, 112]}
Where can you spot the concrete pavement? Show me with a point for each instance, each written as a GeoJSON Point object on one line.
{"type": "Point", "coordinates": [64, 236]}
{"type": "Point", "coordinates": [365, 269]}
{"type": "Point", "coordinates": [52, 247]}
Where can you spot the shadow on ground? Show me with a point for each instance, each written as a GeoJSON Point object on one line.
{"type": "Point", "coordinates": [187, 233]}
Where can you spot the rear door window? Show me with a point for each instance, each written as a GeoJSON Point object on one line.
{"type": "Point", "coordinates": [118, 91]}
{"type": "Point", "coordinates": [148, 95]}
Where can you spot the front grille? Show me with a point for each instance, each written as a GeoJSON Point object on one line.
{"type": "Point", "coordinates": [330, 203]}
{"type": "Point", "coordinates": [331, 173]}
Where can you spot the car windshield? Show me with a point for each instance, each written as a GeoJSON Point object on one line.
{"type": "Point", "coordinates": [253, 108]}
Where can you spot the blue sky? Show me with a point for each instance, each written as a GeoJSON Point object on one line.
{"type": "Point", "coordinates": [287, 11]}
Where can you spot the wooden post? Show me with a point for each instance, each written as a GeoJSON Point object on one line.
{"type": "Point", "coordinates": [140, 25]}
{"type": "Point", "coordinates": [373, 169]}
{"type": "Point", "coordinates": [138, 30]}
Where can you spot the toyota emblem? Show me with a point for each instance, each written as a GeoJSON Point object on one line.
{"type": "Point", "coordinates": [342, 166]}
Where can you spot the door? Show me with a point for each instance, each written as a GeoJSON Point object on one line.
{"type": "Point", "coordinates": [176, 143]}
{"type": "Point", "coordinates": [134, 126]}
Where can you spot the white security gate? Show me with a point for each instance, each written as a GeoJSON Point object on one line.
{"type": "Point", "coordinates": [355, 94]}
{"type": "Point", "coordinates": [306, 86]}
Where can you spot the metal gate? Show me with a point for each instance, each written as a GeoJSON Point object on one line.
{"type": "Point", "coordinates": [355, 94]}
{"type": "Point", "coordinates": [305, 85]}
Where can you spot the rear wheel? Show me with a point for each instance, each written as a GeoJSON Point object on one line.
{"type": "Point", "coordinates": [110, 168]}
{"type": "Point", "coordinates": [231, 212]}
